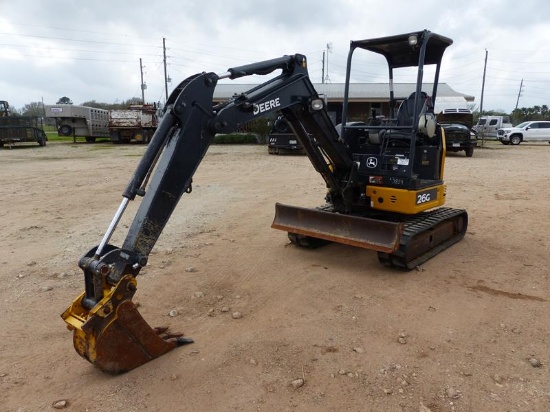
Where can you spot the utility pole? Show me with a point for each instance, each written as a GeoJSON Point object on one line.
{"type": "Point", "coordinates": [481, 103]}
{"type": "Point", "coordinates": [519, 93]}
{"type": "Point", "coordinates": [165, 75]}
{"type": "Point", "coordinates": [323, 71]}
{"type": "Point", "coordinates": [483, 83]}
{"type": "Point", "coordinates": [143, 85]}
{"type": "Point", "coordinates": [329, 50]}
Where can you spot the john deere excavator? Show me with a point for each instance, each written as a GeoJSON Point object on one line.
{"type": "Point", "coordinates": [385, 188]}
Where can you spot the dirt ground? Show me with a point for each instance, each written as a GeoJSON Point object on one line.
{"type": "Point", "coordinates": [467, 331]}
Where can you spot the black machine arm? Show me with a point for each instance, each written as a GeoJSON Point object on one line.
{"type": "Point", "coordinates": [293, 95]}
{"type": "Point", "coordinates": [182, 138]}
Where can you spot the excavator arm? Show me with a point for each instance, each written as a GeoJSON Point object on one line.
{"type": "Point", "coordinates": [107, 328]}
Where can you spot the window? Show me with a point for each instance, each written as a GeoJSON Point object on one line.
{"type": "Point", "coordinates": [493, 122]}
{"type": "Point", "coordinates": [544, 125]}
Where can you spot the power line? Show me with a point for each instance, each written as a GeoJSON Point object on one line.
{"type": "Point", "coordinates": [67, 29]}
{"type": "Point", "coordinates": [79, 50]}
{"type": "Point", "coordinates": [68, 58]}
{"type": "Point", "coordinates": [77, 40]}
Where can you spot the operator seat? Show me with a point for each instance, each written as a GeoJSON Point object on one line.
{"type": "Point", "coordinates": [406, 109]}
{"type": "Point", "coordinates": [426, 118]}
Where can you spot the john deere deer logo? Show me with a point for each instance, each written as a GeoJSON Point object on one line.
{"type": "Point", "coordinates": [372, 162]}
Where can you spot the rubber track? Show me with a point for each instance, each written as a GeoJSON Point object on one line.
{"type": "Point", "coordinates": [418, 225]}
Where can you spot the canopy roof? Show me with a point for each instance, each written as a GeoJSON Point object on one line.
{"type": "Point", "coordinates": [399, 53]}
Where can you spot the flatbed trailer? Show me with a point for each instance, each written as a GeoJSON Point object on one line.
{"type": "Point", "coordinates": [21, 129]}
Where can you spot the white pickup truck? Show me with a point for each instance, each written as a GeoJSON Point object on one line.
{"type": "Point", "coordinates": [534, 131]}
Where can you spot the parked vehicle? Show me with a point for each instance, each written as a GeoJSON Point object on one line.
{"type": "Point", "coordinates": [535, 131]}
{"type": "Point", "coordinates": [4, 108]}
{"type": "Point", "coordinates": [137, 123]}
{"type": "Point", "coordinates": [20, 129]}
{"type": "Point", "coordinates": [459, 135]}
{"type": "Point", "coordinates": [487, 126]}
{"type": "Point", "coordinates": [282, 139]}
{"type": "Point", "coordinates": [79, 121]}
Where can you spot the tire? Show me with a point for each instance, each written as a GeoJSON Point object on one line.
{"type": "Point", "coordinates": [42, 142]}
{"type": "Point", "coordinates": [90, 139]}
{"type": "Point", "coordinates": [515, 139]}
{"type": "Point", "coordinates": [65, 130]}
{"type": "Point", "coordinates": [281, 126]}
{"type": "Point", "coordinates": [469, 152]}
{"type": "Point", "coordinates": [146, 137]}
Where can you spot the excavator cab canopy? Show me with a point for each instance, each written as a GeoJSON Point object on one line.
{"type": "Point", "coordinates": [413, 49]}
{"type": "Point", "coordinates": [404, 50]}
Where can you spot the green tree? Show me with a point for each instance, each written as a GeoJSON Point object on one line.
{"type": "Point", "coordinates": [260, 127]}
{"type": "Point", "coordinates": [64, 100]}
{"type": "Point", "coordinates": [15, 111]}
{"type": "Point", "coordinates": [97, 105]}
{"type": "Point", "coordinates": [112, 106]}
{"type": "Point", "coordinates": [33, 109]}
{"type": "Point", "coordinates": [524, 114]}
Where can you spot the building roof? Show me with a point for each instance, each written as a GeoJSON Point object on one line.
{"type": "Point", "coordinates": [359, 92]}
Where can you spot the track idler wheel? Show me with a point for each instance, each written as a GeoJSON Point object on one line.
{"type": "Point", "coordinates": [306, 241]}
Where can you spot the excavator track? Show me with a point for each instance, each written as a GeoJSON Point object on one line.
{"type": "Point", "coordinates": [402, 244]}
{"type": "Point", "coordinates": [425, 235]}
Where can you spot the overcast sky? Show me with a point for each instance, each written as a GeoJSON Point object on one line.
{"type": "Point", "coordinates": [91, 50]}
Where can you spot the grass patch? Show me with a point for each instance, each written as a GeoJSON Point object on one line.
{"type": "Point", "coordinates": [233, 138]}
{"type": "Point", "coordinates": [53, 137]}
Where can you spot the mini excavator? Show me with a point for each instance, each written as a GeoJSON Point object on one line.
{"type": "Point", "coordinates": [385, 189]}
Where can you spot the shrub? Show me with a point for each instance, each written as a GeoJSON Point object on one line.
{"type": "Point", "coordinates": [236, 138]}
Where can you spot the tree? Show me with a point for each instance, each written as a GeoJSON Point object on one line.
{"type": "Point", "coordinates": [33, 109]}
{"type": "Point", "coordinates": [112, 106]}
{"type": "Point", "coordinates": [530, 113]}
{"type": "Point", "coordinates": [15, 111]}
{"type": "Point", "coordinates": [64, 100]}
{"type": "Point", "coordinates": [260, 127]}
{"type": "Point", "coordinates": [97, 105]}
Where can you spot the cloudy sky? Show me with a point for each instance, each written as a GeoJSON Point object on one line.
{"type": "Point", "coordinates": [91, 50]}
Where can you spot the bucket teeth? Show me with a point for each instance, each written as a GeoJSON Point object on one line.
{"type": "Point", "coordinates": [114, 336]}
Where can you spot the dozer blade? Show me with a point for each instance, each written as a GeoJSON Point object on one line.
{"type": "Point", "coordinates": [379, 235]}
{"type": "Point", "coordinates": [113, 335]}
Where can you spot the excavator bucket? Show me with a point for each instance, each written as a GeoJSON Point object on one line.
{"type": "Point", "coordinates": [374, 234]}
{"type": "Point", "coordinates": [113, 335]}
